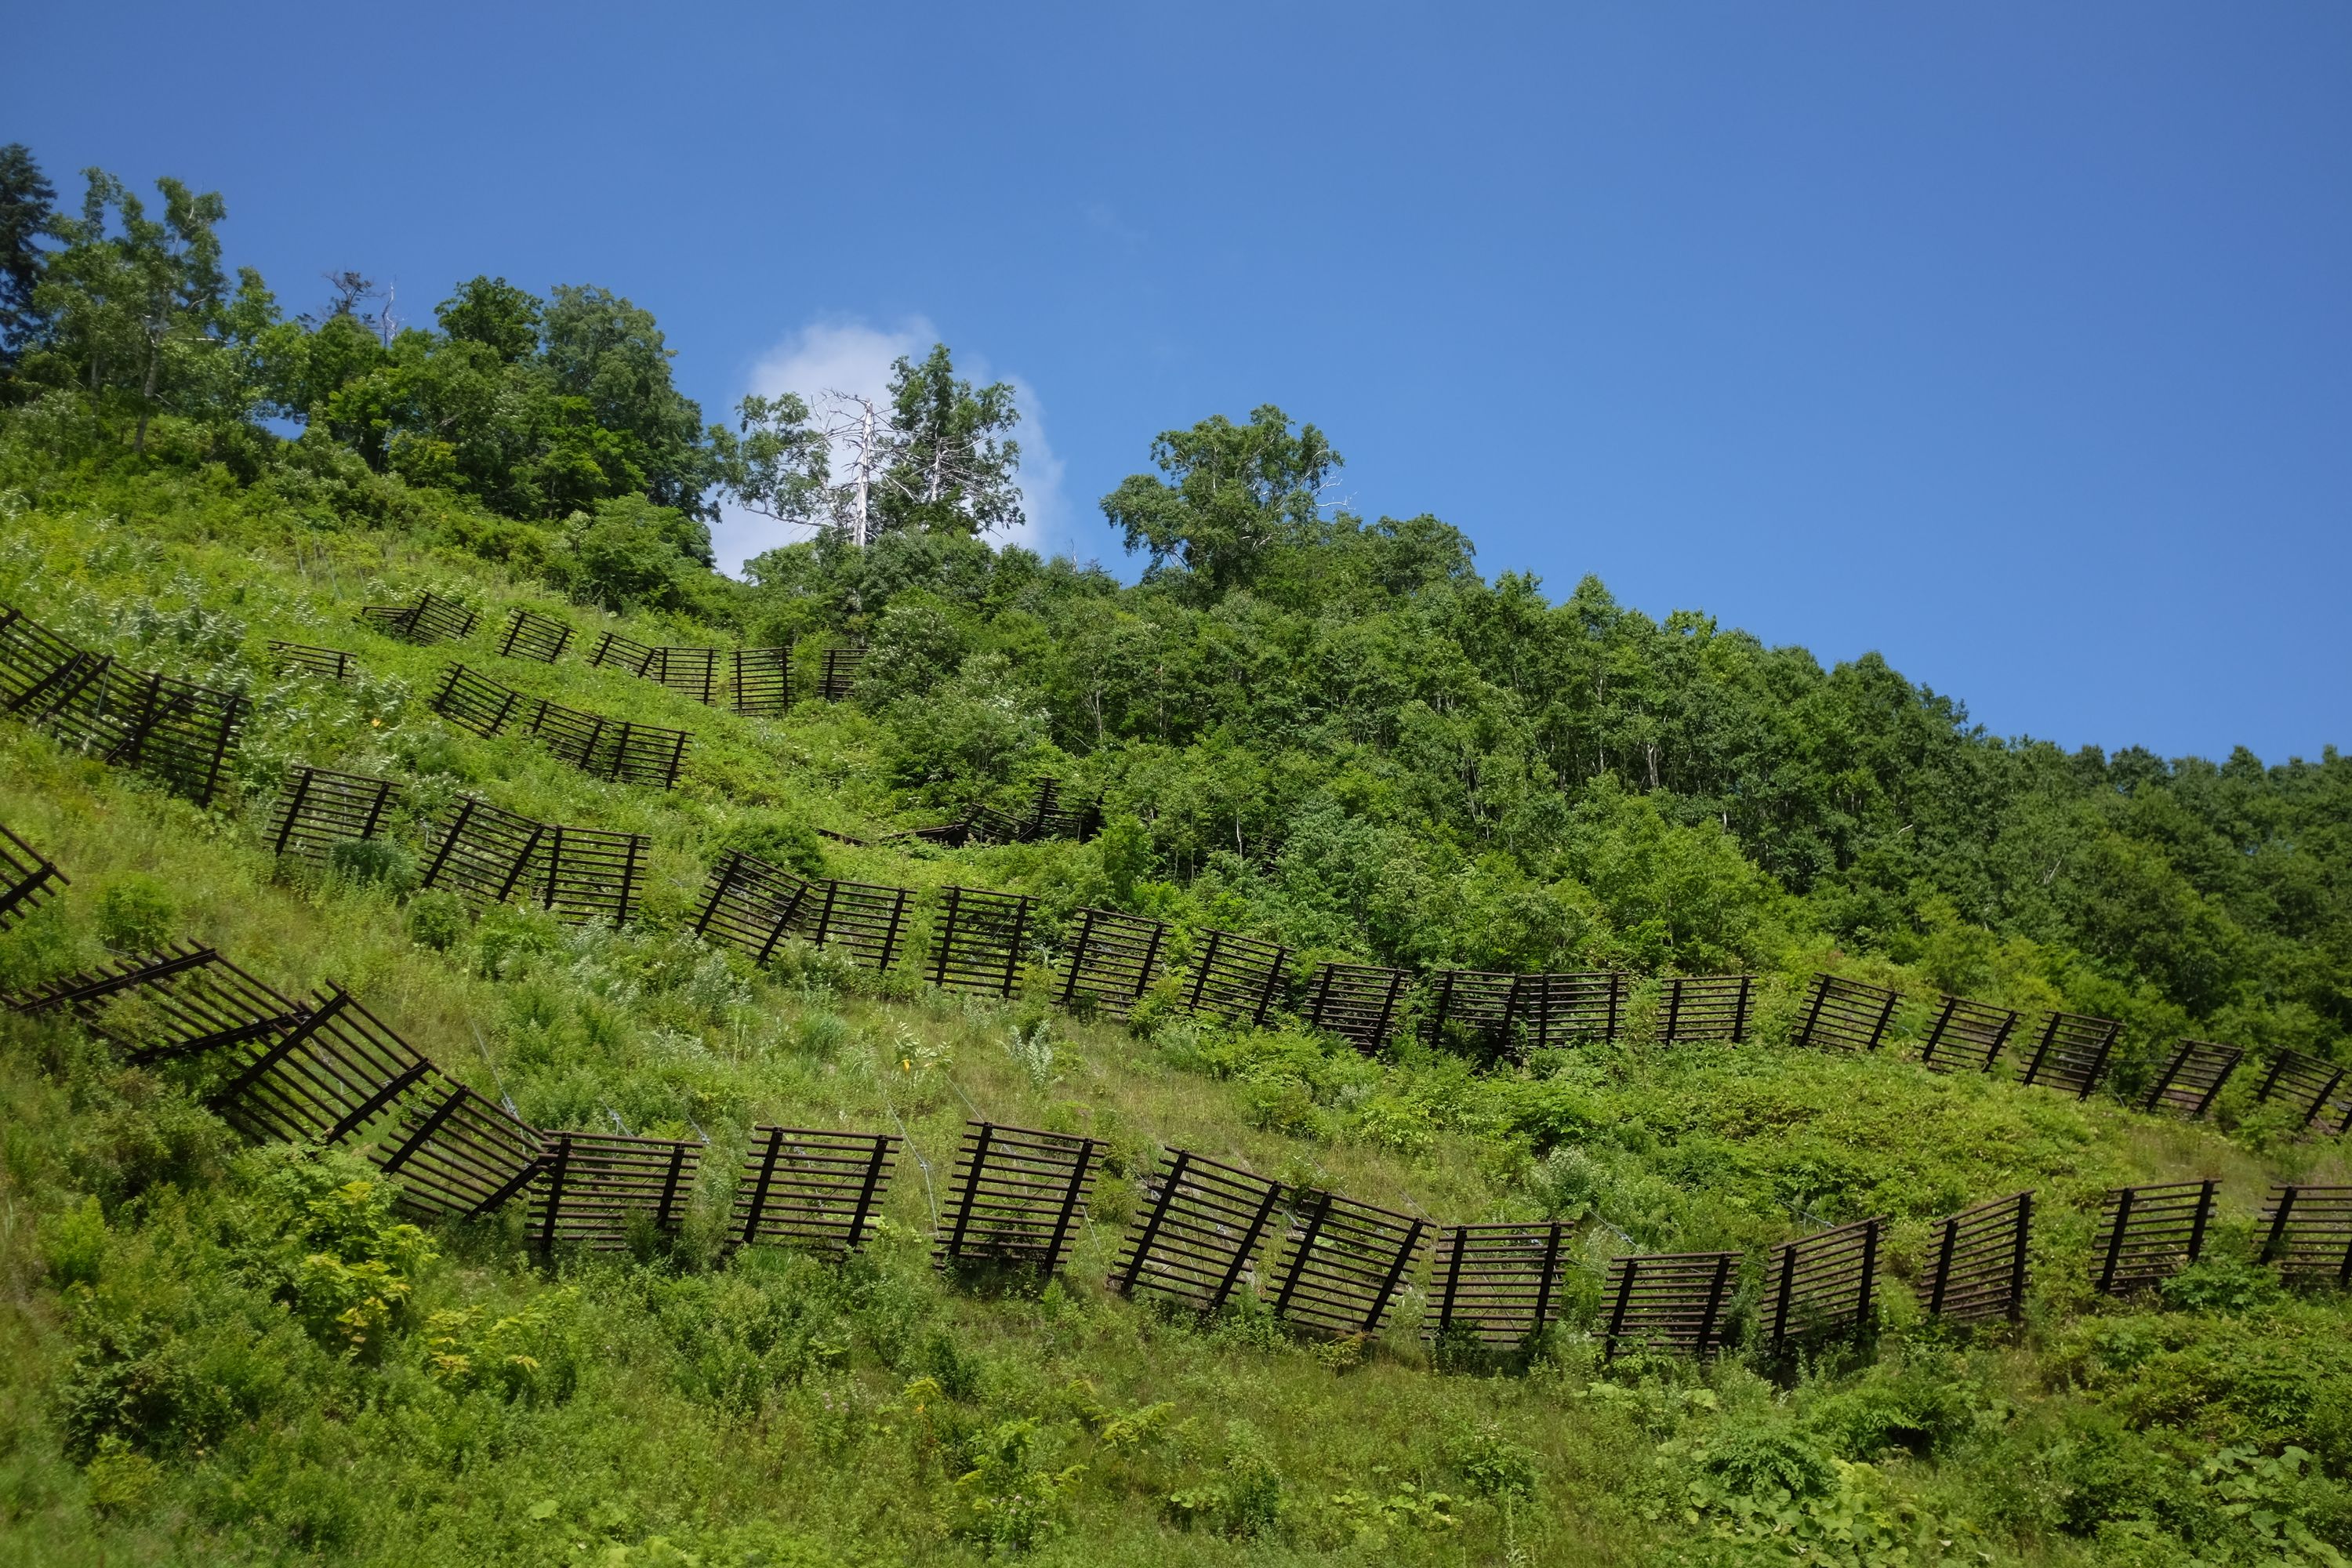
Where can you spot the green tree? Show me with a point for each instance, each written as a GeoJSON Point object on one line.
{"type": "Point", "coordinates": [1228, 494]}
{"type": "Point", "coordinates": [610, 356]}
{"type": "Point", "coordinates": [495, 313]}
{"type": "Point", "coordinates": [952, 462]}
{"type": "Point", "coordinates": [28, 209]}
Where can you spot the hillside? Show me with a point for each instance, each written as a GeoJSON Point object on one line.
{"type": "Point", "coordinates": [1539, 840]}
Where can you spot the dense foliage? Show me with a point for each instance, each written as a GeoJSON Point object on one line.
{"type": "Point", "coordinates": [1305, 724]}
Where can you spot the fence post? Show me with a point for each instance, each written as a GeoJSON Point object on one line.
{"type": "Point", "coordinates": [759, 1187]}
{"type": "Point", "coordinates": [2115, 1241]}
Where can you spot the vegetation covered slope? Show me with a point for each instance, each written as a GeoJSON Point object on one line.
{"type": "Point", "coordinates": [1316, 729]}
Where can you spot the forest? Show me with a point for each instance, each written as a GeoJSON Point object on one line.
{"type": "Point", "coordinates": [1330, 732]}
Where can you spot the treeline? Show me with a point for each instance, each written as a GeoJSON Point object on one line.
{"type": "Point", "coordinates": [1328, 729]}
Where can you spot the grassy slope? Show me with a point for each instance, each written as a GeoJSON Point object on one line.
{"type": "Point", "coordinates": [773, 1410]}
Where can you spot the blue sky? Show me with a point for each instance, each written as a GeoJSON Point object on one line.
{"type": "Point", "coordinates": [2013, 342]}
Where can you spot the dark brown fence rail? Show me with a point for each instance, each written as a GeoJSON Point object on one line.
{"type": "Point", "coordinates": [177, 733]}
{"type": "Point", "coordinates": [1114, 959]}
{"type": "Point", "coordinates": [594, 1188]}
{"type": "Point", "coordinates": [327, 663]}
{"type": "Point", "coordinates": [1341, 1263]}
{"type": "Point", "coordinates": [2071, 1053]}
{"type": "Point", "coordinates": [604, 748]}
{"type": "Point", "coordinates": [2146, 1235]}
{"type": "Point", "coordinates": [1578, 1007]}
{"type": "Point", "coordinates": [2307, 1232]}
{"type": "Point", "coordinates": [1967, 1035]}
{"type": "Point", "coordinates": [1357, 1002]}
{"type": "Point", "coordinates": [1821, 1286]}
{"type": "Point", "coordinates": [1698, 1008]}
{"type": "Point", "coordinates": [1498, 1284]}
{"type": "Point", "coordinates": [429, 620]}
{"type": "Point", "coordinates": [455, 1153]}
{"type": "Point", "coordinates": [696, 672]}
{"type": "Point", "coordinates": [838, 677]}
{"type": "Point", "coordinates": [1048, 816]}
{"type": "Point", "coordinates": [319, 809]}
{"type": "Point", "coordinates": [749, 905]}
{"type": "Point", "coordinates": [1843, 1015]}
{"type": "Point", "coordinates": [27, 880]}
{"type": "Point", "coordinates": [976, 946]}
{"type": "Point", "coordinates": [1237, 978]}
{"type": "Point", "coordinates": [329, 1079]}
{"type": "Point", "coordinates": [2310, 1087]}
{"type": "Point", "coordinates": [1668, 1302]}
{"type": "Point", "coordinates": [578, 874]}
{"type": "Point", "coordinates": [2192, 1078]}
{"type": "Point", "coordinates": [764, 681]}
{"type": "Point", "coordinates": [1470, 1010]}
{"type": "Point", "coordinates": [1017, 1197]}
{"type": "Point", "coordinates": [809, 1189]}
{"type": "Point", "coordinates": [530, 635]}
{"type": "Point", "coordinates": [863, 920]}
{"type": "Point", "coordinates": [1199, 1229]}
{"type": "Point", "coordinates": [188, 1000]}
{"type": "Point", "coordinates": [1978, 1268]}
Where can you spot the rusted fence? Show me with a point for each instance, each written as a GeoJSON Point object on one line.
{"type": "Point", "coordinates": [1843, 1015]}
{"type": "Point", "coordinates": [327, 663]}
{"type": "Point", "coordinates": [752, 906]}
{"type": "Point", "coordinates": [27, 879]}
{"type": "Point", "coordinates": [1498, 1284]}
{"type": "Point", "coordinates": [430, 619]}
{"type": "Point", "coordinates": [593, 1189]}
{"type": "Point", "coordinates": [455, 1153]}
{"type": "Point", "coordinates": [751, 680]}
{"type": "Point", "coordinates": [1048, 816]}
{"type": "Point", "coordinates": [532, 635]}
{"type": "Point", "coordinates": [189, 1000]}
{"type": "Point", "coordinates": [1237, 978]}
{"type": "Point", "coordinates": [1668, 1302]}
{"type": "Point", "coordinates": [1979, 1270]}
{"type": "Point", "coordinates": [2148, 1234]}
{"type": "Point", "coordinates": [491, 856]}
{"type": "Point", "coordinates": [1967, 1035]}
{"type": "Point", "coordinates": [1698, 1008]}
{"type": "Point", "coordinates": [2312, 1087]}
{"type": "Point", "coordinates": [318, 809]}
{"type": "Point", "coordinates": [327, 1079]}
{"type": "Point", "coordinates": [1357, 1002]}
{"type": "Point", "coordinates": [1198, 1232]}
{"type": "Point", "coordinates": [1819, 1287]}
{"type": "Point", "coordinates": [2307, 1232]}
{"type": "Point", "coordinates": [1017, 1197]}
{"type": "Point", "coordinates": [837, 676]}
{"type": "Point", "coordinates": [614, 749]}
{"type": "Point", "coordinates": [174, 731]}
{"type": "Point", "coordinates": [1341, 1262]}
{"type": "Point", "coordinates": [2194, 1075]}
{"type": "Point", "coordinates": [810, 1189]}
{"type": "Point", "coordinates": [976, 946]}
{"type": "Point", "coordinates": [2071, 1053]}
{"type": "Point", "coordinates": [1113, 959]}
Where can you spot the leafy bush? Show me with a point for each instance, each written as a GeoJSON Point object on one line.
{"type": "Point", "coordinates": [136, 914]}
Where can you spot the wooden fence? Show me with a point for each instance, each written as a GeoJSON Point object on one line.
{"type": "Point", "coordinates": [174, 731]}
{"type": "Point", "coordinates": [1699, 1008]}
{"type": "Point", "coordinates": [1668, 1302]}
{"type": "Point", "coordinates": [2307, 1232]}
{"type": "Point", "coordinates": [1017, 1197]}
{"type": "Point", "coordinates": [318, 809]}
{"type": "Point", "coordinates": [749, 905]}
{"type": "Point", "coordinates": [1199, 1229]}
{"type": "Point", "coordinates": [1979, 1268]}
{"type": "Point", "coordinates": [578, 874]}
{"type": "Point", "coordinates": [1821, 1286]}
{"type": "Point", "coordinates": [27, 880]}
{"type": "Point", "coordinates": [185, 1000]}
{"type": "Point", "coordinates": [1049, 817]}
{"type": "Point", "coordinates": [429, 620]}
{"type": "Point", "coordinates": [327, 663]}
{"type": "Point", "coordinates": [1113, 960]}
{"type": "Point", "coordinates": [810, 1189]}
{"type": "Point", "coordinates": [976, 946]}
{"type": "Point", "coordinates": [1967, 1035]}
{"type": "Point", "coordinates": [1357, 1002]}
{"type": "Point", "coordinates": [1237, 978]}
{"type": "Point", "coordinates": [2192, 1078]}
{"type": "Point", "coordinates": [2148, 1234]}
{"type": "Point", "coordinates": [532, 635]}
{"type": "Point", "coordinates": [455, 1153]}
{"type": "Point", "coordinates": [327, 1080]}
{"type": "Point", "coordinates": [2072, 1052]}
{"type": "Point", "coordinates": [1471, 1008]}
{"type": "Point", "coordinates": [838, 678]}
{"type": "Point", "coordinates": [2310, 1087]}
{"type": "Point", "coordinates": [593, 1189]}
{"type": "Point", "coordinates": [1498, 1284]}
{"type": "Point", "coordinates": [1341, 1263]}
{"type": "Point", "coordinates": [614, 749]}
{"type": "Point", "coordinates": [1843, 1015]}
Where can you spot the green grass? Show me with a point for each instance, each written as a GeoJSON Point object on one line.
{"type": "Point", "coordinates": [173, 1387]}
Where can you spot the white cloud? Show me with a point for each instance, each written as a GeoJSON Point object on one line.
{"type": "Point", "coordinates": [854, 356]}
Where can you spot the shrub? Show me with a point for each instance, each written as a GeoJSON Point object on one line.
{"type": "Point", "coordinates": [136, 914]}
{"type": "Point", "coordinates": [374, 863]}
{"type": "Point", "coordinates": [436, 919]}
{"type": "Point", "coordinates": [1008, 1501]}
